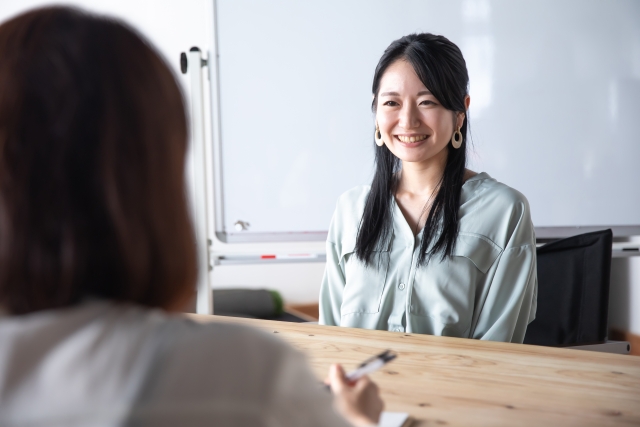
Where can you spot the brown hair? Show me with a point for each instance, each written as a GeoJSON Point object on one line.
{"type": "Point", "coordinates": [92, 147]}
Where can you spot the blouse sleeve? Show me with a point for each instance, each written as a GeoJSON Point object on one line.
{"type": "Point", "coordinates": [510, 304]}
{"type": "Point", "coordinates": [333, 284]}
{"type": "Point", "coordinates": [340, 241]}
{"type": "Point", "coordinates": [510, 299]}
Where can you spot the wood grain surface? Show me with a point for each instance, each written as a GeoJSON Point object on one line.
{"type": "Point", "coordinates": [445, 381]}
{"type": "Point", "coordinates": [633, 339]}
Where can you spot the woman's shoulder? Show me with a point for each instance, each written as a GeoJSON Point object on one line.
{"type": "Point", "coordinates": [346, 218]}
{"type": "Point", "coordinates": [500, 196]}
{"type": "Point", "coordinates": [168, 358]}
{"type": "Point", "coordinates": [233, 371]}
{"type": "Point", "coordinates": [242, 373]}
{"type": "Point", "coordinates": [229, 341]}
{"type": "Point", "coordinates": [354, 198]}
{"type": "Point", "coordinates": [495, 210]}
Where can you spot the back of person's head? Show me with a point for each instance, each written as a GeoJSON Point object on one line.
{"type": "Point", "coordinates": [92, 146]}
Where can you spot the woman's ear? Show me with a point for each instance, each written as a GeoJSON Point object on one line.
{"type": "Point", "coordinates": [461, 116]}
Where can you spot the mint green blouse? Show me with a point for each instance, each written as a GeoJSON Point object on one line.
{"type": "Point", "coordinates": [486, 290]}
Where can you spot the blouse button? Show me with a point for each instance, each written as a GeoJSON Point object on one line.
{"type": "Point", "coordinates": [401, 286]}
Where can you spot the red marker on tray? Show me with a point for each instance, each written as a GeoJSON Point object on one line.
{"type": "Point", "coordinates": [289, 256]}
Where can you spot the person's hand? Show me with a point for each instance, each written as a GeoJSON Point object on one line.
{"type": "Point", "coordinates": [359, 402]}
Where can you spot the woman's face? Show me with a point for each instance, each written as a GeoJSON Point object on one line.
{"type": "Point", "coordinates": [413, 124]}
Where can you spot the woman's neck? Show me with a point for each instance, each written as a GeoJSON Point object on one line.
{"type": "Point", "coordinates": [418, 186]}
{"type": "Point", "coordinates": [422, 178]}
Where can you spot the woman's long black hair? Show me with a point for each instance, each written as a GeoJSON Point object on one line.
{"type": "Point", "coordinates": [441, 68]}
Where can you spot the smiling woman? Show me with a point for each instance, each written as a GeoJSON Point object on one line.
{"type": "Point", "coordinates": [430, 247]}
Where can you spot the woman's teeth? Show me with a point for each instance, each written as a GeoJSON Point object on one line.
{"type": "Point", "coordinates": [415, 138]}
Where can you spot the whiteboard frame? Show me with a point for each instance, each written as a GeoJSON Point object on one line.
{"type": "Point", "coordinates": [542, 233]}
{"type": "Point", "coordinates": [216, 130]}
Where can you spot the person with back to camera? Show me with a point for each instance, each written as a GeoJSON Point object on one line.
{"type": "Point", "coordinates": [430, 247]}
{"type": "Point", "coordinates": [97, 251]}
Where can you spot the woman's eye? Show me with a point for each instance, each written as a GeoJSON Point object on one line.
{"type": "Point", "coordinates": [427, 102]}
{"type": "Point", "coordinates": [390, 103]}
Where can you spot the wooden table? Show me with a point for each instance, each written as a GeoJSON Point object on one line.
{"type": "Point", "coordinates": [445, 381]}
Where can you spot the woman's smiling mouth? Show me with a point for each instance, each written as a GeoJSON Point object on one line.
{"type": "Point", "coordinates": [411, 138]}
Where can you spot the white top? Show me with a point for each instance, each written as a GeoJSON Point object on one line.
{"type": "Point", "coordinates": [486, 290]}
{"type": "Point", "coordinates": [101, 364]}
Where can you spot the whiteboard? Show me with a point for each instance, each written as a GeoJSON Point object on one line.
{"type": "Point", "coordinates": [554, 88]}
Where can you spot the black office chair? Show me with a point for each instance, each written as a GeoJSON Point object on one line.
{"type": "Point", "coordinates": [573, 291]}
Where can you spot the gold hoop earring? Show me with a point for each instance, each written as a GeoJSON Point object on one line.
{"type": "Point", "coordinates": [378, 137]}
{"type": "Point", "coordinates": [456, 139]}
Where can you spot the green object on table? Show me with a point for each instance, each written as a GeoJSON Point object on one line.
{"type": "Point", "coordinates": [278, 301]}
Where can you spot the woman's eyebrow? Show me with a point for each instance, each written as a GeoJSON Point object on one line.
{"type": "Point", "coordinates": [424, 92]}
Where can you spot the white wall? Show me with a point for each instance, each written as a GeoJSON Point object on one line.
{"type": "Point", "coordinates": [624, 295]}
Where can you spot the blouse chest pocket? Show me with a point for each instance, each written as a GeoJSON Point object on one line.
{"type": "Point", "coordinates": [445, 290]}
{"type": "Point", "coordinates": [478, 249]}
{"type": "Point", "coordinates": [364, 284]}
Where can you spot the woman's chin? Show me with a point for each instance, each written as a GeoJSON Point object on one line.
{"type": "Point", "coordinates": [413, 156]}
{"type": "Point", "coordinates": [419, 154]}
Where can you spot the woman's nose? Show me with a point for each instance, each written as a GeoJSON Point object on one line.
{"type": "Point", "coordinates": [409, 117]}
